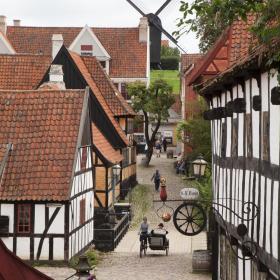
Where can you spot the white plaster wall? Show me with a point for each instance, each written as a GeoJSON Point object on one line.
{"type": "Point", "coordinates": [228, 120]}
{"type": "Point", "coordinates": [240, 265]}
{"type": "Point", "coordinates": [45, 248]}
{"type": "Point", "coordinates": [87, 39]}
{"type": "Point", "coordinates": [264, 87]}
{"type": "Point", "coordinates": [255, 122]}
{"type": "Point", "coordinates": [58, 246]}
{"type": "Point", "coordinates": [274, 123]}
{"type": "Point", "coordinates": [39, 223]}
{"type": "Point", "coordinates": [8, 242]}
{"type": "Point", "coordinates": [275, 229]}
{"type": "Point", "coordinates": [262, 210]}
{"type": "Point", "coordinates": [23, 248]}
{"type": "Point", "coordinates": [58, 223]}
{"type": "Point", "coordinates": [240, 125]}
{"type": "Point", "coordinates": [8, 210]}
{"type": "Point", "coordinates": [268, 216]}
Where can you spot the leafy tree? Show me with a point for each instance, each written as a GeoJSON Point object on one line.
{"type": "Point", "coordinates": [153, 103]}
{"type": "Point", "coordinates": [197, 130]}
{"type": "Point", "coordinates": [168, 51]}
{"type": "Point", "coordinates": [209, 18]}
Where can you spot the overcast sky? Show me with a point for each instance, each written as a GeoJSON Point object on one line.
{"type": "Point", "coordinates": [98, 13]}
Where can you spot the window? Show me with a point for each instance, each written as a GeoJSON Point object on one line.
{"type": "Point", "coordinates": [265, 133]}
{"type": "Point", "coordinates": [124, 91]}
{"type": "Point", "coordinates": [103, 64]}
{"type": "Point", "coordinates": [125, 153]}
{"type": "Point", "coordinates": [4, 224]}
{"type": "Point", "coordinates": [84, 158]}
{"type": "Point", "coordinates": [82, 211]}
{"type": "Point", "coordinates": [249, 135]}
{"type": "Point", "coordinates": [86, 50]}
{"type": "Point", "coordinates": [24, 218]}
{"type": "Point", "coordinates": [130, 125]}
{"type": "Point", "coordinates": [234, 139]}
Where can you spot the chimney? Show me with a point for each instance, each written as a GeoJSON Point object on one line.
{"type": "Point", "coordinates": [16, 22]}
{"type": "Point", "coordinates": [3, 25]}
{"type": "Point", "coordinates": [56, 76]}
{"type": "Point", "coordinates": [57, 42]}
{"type": "Point", "coordinates": [143, 29]}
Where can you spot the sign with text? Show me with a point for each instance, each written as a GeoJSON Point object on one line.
{"type": "Point", "coordinates": [189, 193]}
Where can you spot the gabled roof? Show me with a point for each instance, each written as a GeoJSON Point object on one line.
{"type": "Point", "coordinates": [94, 39]}
{"type": "Point", "coordinates": [6, 44]}
{"type": "Point", "coordinates": [12, 267]}
{"type": "Point", "coordinates": [108, 153]}
{"type": "Point", "coordinates": [189, 59]}
{"type": "Point", "coordinates": [43, 127]}
{"type": "Point", "coordinates": [113, 97]}
{"type": "Point", "coordinates": [94, 88]}
{"type": "Point", "coordinates": [233, 45]}
{"type": "Point", "coordinates": [129, 56]}
{"type": "Point", "coordinates": [19, 72]}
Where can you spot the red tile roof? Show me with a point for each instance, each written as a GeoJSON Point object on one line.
{"type": "Point", "coordinates": [232, 46]}
{"type": "Point", "coordinates": [94, 88]}
{"type": "Point", "coordinates": [114, 98]}
{"type": "Point", "coordinates": [43, 127]}
{"type": "Point", "coordinates": [129, 56]}
{"type": "Point", "coordinates": [19, 72]}
{"type": "Point", "coordinates": [104, 147]}
{"type": "Point", "coordinates": [189, 59]}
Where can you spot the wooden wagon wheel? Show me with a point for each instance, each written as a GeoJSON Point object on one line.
{"type": "Point", "coordinates": [189, 218]}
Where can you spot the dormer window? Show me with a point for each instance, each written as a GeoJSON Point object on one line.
{"type": "Point", "coordinates": [86, 50]}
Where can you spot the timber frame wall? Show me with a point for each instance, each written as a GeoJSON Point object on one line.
{"type": "Point", "coordinates": [246, 160]}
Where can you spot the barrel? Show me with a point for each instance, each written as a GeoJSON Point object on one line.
{"type": "Point", "coordinates": [201, 261]}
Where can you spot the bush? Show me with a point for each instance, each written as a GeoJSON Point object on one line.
{"type": "Point", "coordinates": [169, 63]}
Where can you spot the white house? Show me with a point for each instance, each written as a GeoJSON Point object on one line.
{"type": "Point", "coordinates": [46, 173]}
{"type": "Point", "coordinates": [245, 120]}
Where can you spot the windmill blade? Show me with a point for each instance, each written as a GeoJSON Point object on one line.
{"type": "Point", "coordinates": [169, 36]}
{"type": "Point", "coordinates": [136, 8]}
{"type": "Point", "coordinates": [162, 7]}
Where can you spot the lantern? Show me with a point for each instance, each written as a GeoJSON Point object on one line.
{"type": "Point", "coordinates": [83, 268]}
{"type": "Point", "coordinates": [199, 166]}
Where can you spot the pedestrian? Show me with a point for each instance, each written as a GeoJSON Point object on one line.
{"type": "Point", "coordinates": [158, 148]}
{"type": "Point", "coordinates": [156, 178]}
{"type": "Point", "coordinates": [164, 143]}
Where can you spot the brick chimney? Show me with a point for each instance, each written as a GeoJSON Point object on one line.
{"type": "Point", "coordinates": [56, 76]}
{"type": "Point", "coordinates": [143, 29]}
{"type": "Point", "coordinates": [3, 25]}
{"type": "Point", "coordinates": [57, 42]}
{"type": "Point", "coordinates": [16, 22]}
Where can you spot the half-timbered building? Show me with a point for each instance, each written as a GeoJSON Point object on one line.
{"type": "Point", "coordinates": [46, 173]}
{"type": "Point", "coordinates": [245, 121]}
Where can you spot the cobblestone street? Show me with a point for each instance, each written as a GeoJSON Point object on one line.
{"type": "Point", "coordinates": [125, 263]}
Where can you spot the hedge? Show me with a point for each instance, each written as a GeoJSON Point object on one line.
{"type": "Point", "coordinates": [169, 63]}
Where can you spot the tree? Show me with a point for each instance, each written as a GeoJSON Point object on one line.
{"type": "Point", "coordinates": [154, 103]}
{"type": "Point", "coordinates": [209, 18]}
{"type": "Point", "coordinates": [168, 51]}
{"type": "Point", "coordinates": [196, 132]}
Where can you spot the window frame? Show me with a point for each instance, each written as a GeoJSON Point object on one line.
{"type": "Point", "coordinates": [29, 225]}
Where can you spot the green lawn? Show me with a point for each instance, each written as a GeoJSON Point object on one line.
{"type": "Point", "coordinates": [172, 77]}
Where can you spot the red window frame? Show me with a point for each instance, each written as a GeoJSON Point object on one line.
{"type": "Point", "coordinates": [82, 211]}
{"type": "Point", "coordinates": [24, 218]}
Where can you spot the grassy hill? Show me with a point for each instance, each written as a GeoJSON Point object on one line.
{"type": "Point", "coordinates": [171, 76]}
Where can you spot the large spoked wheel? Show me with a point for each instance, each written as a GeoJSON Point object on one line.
{"type": "Point", "coordinates": [189, 218]}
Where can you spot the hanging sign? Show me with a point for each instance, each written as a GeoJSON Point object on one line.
{"type": "Point", "coordinates": [189, 193]}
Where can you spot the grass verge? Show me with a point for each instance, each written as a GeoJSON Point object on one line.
{"type": "Point", "coordinates": [171, 76]}
{"type": "Point", "coordinates": [141, 197]}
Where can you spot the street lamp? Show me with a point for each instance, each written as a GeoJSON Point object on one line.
{"type": "Point", "coordinates": [199, 166]}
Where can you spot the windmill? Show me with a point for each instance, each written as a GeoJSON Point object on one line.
{"type": "Point", "coordinates": [156, 30]}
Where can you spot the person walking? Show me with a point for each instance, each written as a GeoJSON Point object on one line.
{"type": "Point", "coordinates": [164, 143]}
{"type": "Point", "coordinates": [156, 178]}
{"type": "Point", "coordinates": [158, 148]}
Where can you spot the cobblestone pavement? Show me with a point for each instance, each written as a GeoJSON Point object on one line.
{"type": "Point", "coordinates": [125, 263]}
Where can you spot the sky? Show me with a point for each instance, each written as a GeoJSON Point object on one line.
{"type": "Point", "coordinates": [97, 13]}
